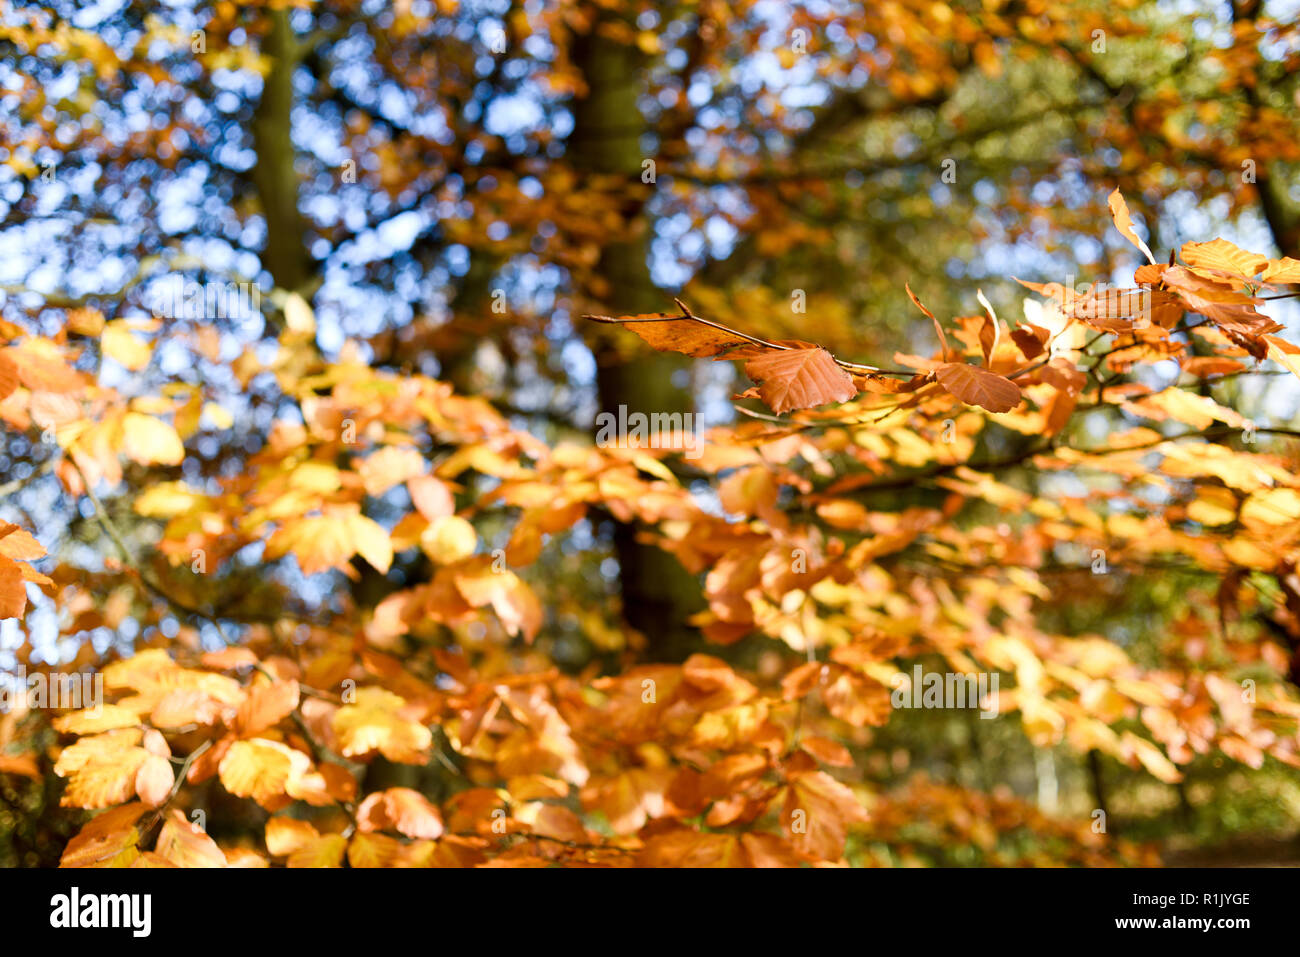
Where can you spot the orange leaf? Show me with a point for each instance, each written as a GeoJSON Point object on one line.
{"type": "Point", "coordinates": [800, 379]}
{"type": "Point", "coordinates": [1219, 255]}
{"type": "Point", "coordinates": [148, 440]}
{"type": "Point", "coordinates": [1284, 270]}
{"type": "Point", "coordinates": [8, 375]}
{"type": "Point", "coordinates": [400, 809]}
{"type": "Point", "coordinates": [1124, 222]}
{"type": "Point", "coordinates": [265, 707]}
{"type": "Point", "coordinates": [827, 751]}
{"type": "Point", "coordinates": [108, 838]}
{"type": "Point", "coordinates": [977, 386]}
{"type": "Point", "coordinates": [324, 851]}
{"type": "Point", "coordinates": [688, 335]}
{"type": "Point", "coordinates": [13, 590]}
{"type": "Point", "coordinates": [184, 845]}
{"type": "Point", "coordinates": [431, 497]}
{"type": "Point", "coordinates": [817, 813]}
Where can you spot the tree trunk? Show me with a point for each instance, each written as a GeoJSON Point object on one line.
{"type": "Point", "coordinates": [274, 175]}
{"type": "Point", "coordinates": [658, 594]}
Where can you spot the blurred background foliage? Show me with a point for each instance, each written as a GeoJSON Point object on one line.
{"type": "Point", "coordinates": [451, 184]}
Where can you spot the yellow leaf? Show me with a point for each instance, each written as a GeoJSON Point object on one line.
{"type": "Point", "coordinates": [374, 723]}
{"type": "Point", "coordinates": [390, 466]}
{"type": "Point", "coordinates": [371, 541]}
{"type": "Point", "coordinates": [121, 345]}
{"type": "Point", "coordinates": [101, 770]}
{"type": "Point", "coordinates": [168, 499]}
{"type": "Point", "coordinates": [1281, 356]}
{"type": "Point", "coordinates": [108, 839]}
{"type": "Point", "coordinates": [284, 835]}
{"type": "Point", "coordinates": [449, 539]}
{"type": "Point", "coordinates": [298, 315]}
{"type": "Point", "coordinates": [324, 851]}
{"type": "Point", "coordinates": [315, 477]}
{"type": "Point", "coordinates": [1279, 506]}
{"type": "Point", "coordinates": [149, 440]}
{"type": "Point", "coordinates": [259, 769]}
{"type": "Point", "coordinates": [94, 720]}
{"type": "Point", "coordinates": [217, 415]}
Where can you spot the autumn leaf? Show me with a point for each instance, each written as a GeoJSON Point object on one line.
{"type": "Point", "coordinates": [154, 780]}
{"type": "Point", "coordinates": [515, 604]}
{"type": "Point", "coordinates": [390, 466]}
{"type": "Point", "coordinates": [265, 707]}
{"type": "Point", "coordinates": [376, 723]}
{"type": "Point", "coordinates": [449, 539]}
{"type": "Point", "coordinates": [101, 769]}
{"type": "Point", "coordinates": [686, 334]}
{"type": "Point", "coordinates": [322, 542]}
{"type": "Point", "coordinates": [284, 835]}
{"type": "Point", "coordinates": [803, 378]}
{"type": "Point", "coordinates": [1284, 270]}
{"type": "Point", "coordinates": [17, 547]}
{"type": "Point", "coordinates": [13, 590]}
{"type": "Point", "coordinates": [431, 497]}
{"type": "Point", "coordinates": [185, 845]}
{"type": "Point", "coordinates": [400, 809]}
{"type": "Point", "coordinates": [324, 851]}
{"type": "Point", "coordinates": [792, 374]}
{"type": "Point", "coordinates": [150, 441]}
{"type": "Point", "coordinates": [978, 386]}
{"type": "Point", "coordinates": [109, 839]}
{"type": "Point", "coordinates": [8, 375]}
{"type": "Point", "coordinates": [123, 346]}
{"type": "Point", "coordinates": [817, 814]}
{"type": "Point", "coordinates": [1221, 256]}
{"type": "Point", "coordinates": [938, 329]}
{"type": "Point", "coordinates": [260, 769]}
{"type": "Point", "coordinates": [1124, 223]}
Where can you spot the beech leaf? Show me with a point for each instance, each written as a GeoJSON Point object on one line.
{"type": "Point", "coordinates": [799, 379]}
{"type": "Point", "coordinates": [1124, 223]}
{"type": "Point", "coordinates": [977, 386]}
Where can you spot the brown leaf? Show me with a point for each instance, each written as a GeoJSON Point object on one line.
{"type": "Point", "coordinates": [1062, 374]}
{"type": "Point", "coordinates": [1230, 310]}
{"type": "Point", "coordinates": [1031, 339]}
{"type": "Point", "coordinates": [799, 379]}
{"type": "Point", "coordinates": [943, 340]}
{"type": "Point", "coordinates": [976, 386]}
